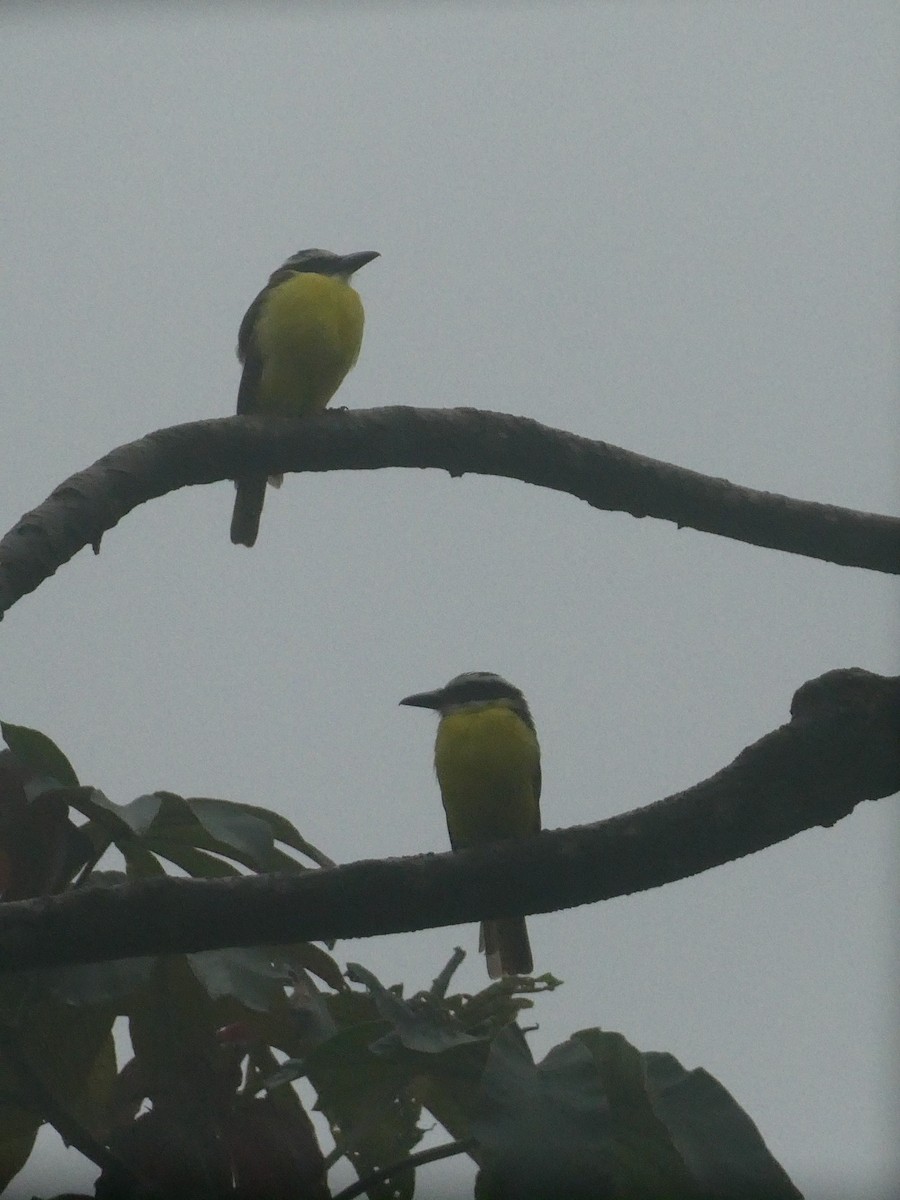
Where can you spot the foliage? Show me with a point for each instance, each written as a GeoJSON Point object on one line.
{"type": "Point", "coordinates": [206, 1106]}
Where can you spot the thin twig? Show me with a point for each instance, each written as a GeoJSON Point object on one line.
{"type": "Point", "coordinates": [448, 1150]}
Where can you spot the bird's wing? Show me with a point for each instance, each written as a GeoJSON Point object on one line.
{"type": "Point", "coordinates": [249, 385]}
{"type": "Point", "coordinates": [251, 316]}
{"type": "Point", "coordinates": [247, 351]}
{"type": "Point", "coordinates": [248, 354]}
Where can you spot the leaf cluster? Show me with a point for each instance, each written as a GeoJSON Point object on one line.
{"type": "Point", "coordinates": [230, 1051]}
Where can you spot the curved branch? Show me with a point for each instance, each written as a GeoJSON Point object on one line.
{"type": "Point", "coordinates": [841, 746]}
{"type": "Point", "coordinates": [459, 441]}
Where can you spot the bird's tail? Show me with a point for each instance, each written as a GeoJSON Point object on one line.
{"type": "Point", "coordinates": [506, 947]}
{"type": "Point", "coordinates": [248, 506]}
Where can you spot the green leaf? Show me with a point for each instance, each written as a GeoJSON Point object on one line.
{"type": "Point", "coordinates": [18, 1129]}
{"type": "Point", "coordinates": [140, 863]}
{"type": "Point", "coordinates": [91, 803]}
{"type": "Point", "coordinates": [97, 983]}
{"type": "Point", "coordinates": [91, 1104]}
{"type": "Point", "coordinates": [283, 831]}
{"type": "Point", "coordinates": [420, 1025]}
{"type": "Point", "coordinates": [177, 828]}
{"type": "Point", "coordinates": [140, 813]}
{"type": "Point", "coordinates": [499, 1004]}
{"type": "Point", "coordinates": [199, 835]}
{"type": "Point", "coordinates": [371, 1112]}
{"type": "Point", "coordinates": [63, 1049]}
{"type": "Point", "coordinates": [191, 860]}
{"type": "Point", "coordinates": [599, 1117]}
{"type": "Point", "coordinates": [172, 1021]}
{"type": "Point", "coordinates": [306, 956]}
{"type": "Point", "coordinates": [252, 832]}
{"type": "Point", "coordinates": [311, 1021]}
{"type": "Point", "coordinates": [717, 1139]}
{"type": "Point", "coordinates": [645, 1160]}
{"type": "Point", "coordinates": [237, 828]}
{"type": "Point", "coordinates": [290, 1069]}
{"type": "Point", "coordinates": [550, 1129]}
{"type": "Point", "coordinates": [246, 973]}
{"type": "Point", "coordinates": [39, 753]}
{"type": "Point", "coordinates": [110, 824]}
{"type": "Point", "coordinates": [272, 1148]}
{"type": "Point", "coordinates": [534, 1125]}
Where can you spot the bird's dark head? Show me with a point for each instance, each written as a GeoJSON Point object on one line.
{"type": "Point", "coordinates": [325, 262]}
{"type": "Point", "coordinates": [472, 689]}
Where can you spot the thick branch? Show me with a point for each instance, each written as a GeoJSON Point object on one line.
{"type": "Point", "coordinates": [460, 441]}
{"type": "Point", "coordinates": [841, 746]}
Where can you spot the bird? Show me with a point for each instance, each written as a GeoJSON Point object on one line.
{"type": "Point", "coordinates": [488, 766]}
{"type": "Point", "coordinates": [297, 341]}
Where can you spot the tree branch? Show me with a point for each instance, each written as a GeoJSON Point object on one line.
{"type": "Point", "coordinates": [842, 746]}
{"type": "Point", "coordinates": [420, 1159]}
{"type": "Point", "coordinates": [460, 441]}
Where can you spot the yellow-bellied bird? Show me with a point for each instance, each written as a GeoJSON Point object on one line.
{"type": "Point", "coordinates": [297, 341]}
{"type": "Point", "coordinates": [488, 765]}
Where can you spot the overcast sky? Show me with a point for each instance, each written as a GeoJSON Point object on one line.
{"type": "Point", "coordinates": [670, 226]}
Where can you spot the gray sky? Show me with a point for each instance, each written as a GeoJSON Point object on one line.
{"type": "Point", "coordinates": [670, 226]}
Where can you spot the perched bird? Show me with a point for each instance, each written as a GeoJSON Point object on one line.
{"type": "Point", "coordinates": [297, 341]}
{"type": "Point", "coordinates": [488, 766]}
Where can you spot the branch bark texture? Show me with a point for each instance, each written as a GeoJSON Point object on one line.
{"type": "Point", "coordinates": [460, 441]}
{"type": "Point", "coordinates": [841, 746]}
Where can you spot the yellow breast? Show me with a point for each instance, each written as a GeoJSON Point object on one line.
{"type": "Point", "coordinates": [308, 336]}
{"type": "Point", "coordinates": [487, 762]}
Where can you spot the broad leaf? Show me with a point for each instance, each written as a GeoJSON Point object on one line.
{"type": "Point", "coordinates": [192, 861]}
{"type": "Point", "coordinates": [720, 1144]}
{"type": "Point", "coordinates": [177, 831]}
{"type": "Point", "coordinates": [39, 753]}
{"type": "Point", "coordinates": [246, 973]}
{"type": "Point", "coordinates": [92, 803]}
{"type": "Point", "coordinates": [273, 1149]}
{"type": "Point", "coordinates": [308, 957]}
{"type": "Point", "coordinates": [140, 813]}
{"type": "Point", "coordinates": [373, 1116]}
{"type": "Point", "coordinates": [98, 983]}
{"type": "Point", "coordinates": [48, 1048]}
{"type": "Point", "coordinates": [234, 826]}
{"type": "Point", "coordinates": [284, 831]}
{"type": "Point", "coordinates": [18, 1129]}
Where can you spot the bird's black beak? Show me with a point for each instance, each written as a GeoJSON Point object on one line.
{"type": "Point", "coordinates": [352, 262]}
{"type": "Point", "coordinates": [424, 699]}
